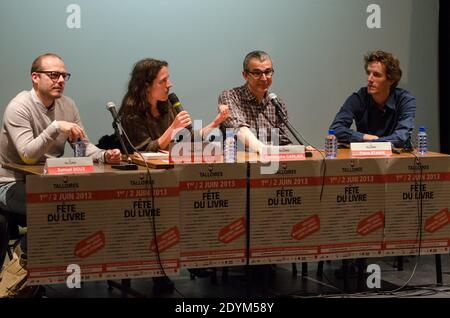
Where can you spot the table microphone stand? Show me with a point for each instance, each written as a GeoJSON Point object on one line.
{"type": "Point", "coordinates": [122, 166]}
{"type": "Point", "coordinates": [292, 130]}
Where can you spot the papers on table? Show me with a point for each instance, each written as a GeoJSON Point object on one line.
{"type": "Point", "coordinates": [161, 155]}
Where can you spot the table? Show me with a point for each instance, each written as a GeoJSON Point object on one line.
{"type": "Point", "coordinates": [231, 214]}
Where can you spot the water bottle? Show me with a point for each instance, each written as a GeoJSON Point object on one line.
{"type": "Point", "coordinates": [330, 145]}
{"type": "Point", "coordinates": [422, 141]}
{"type": "Point", "coordinates": [229, 152]}
{"type": "Point", "coordinates": [80, 148]}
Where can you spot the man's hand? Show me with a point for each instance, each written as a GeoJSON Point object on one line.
{"type": "Point", "coordinates": [224, 113]}
{"type": "Point", "coordinates": [73, 130]}
{"type": "Point", "coordinates": [113, 156]}
{"type": "Point", "coordinates": [367, 137]}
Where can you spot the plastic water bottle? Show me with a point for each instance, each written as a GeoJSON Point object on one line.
{"type": "Point", "coordinates": [422, 141]}
{"type": "Point", "coordinates": [80, 148]}
{"type": "Point", "coordinates": [330, 145]}
{"type": "Point", "coordinates": [229, 152]}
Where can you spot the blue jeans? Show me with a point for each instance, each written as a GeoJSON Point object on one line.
{"type": "Point", "coordinates": [13, 199]}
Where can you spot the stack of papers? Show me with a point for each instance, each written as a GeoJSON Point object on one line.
{"type": "Point", "coordinates": [163, 155]}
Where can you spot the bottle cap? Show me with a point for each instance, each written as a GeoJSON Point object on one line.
{"type": "Point", "coordinates": [331, 132]}
{"type": "Point", "coordinates": [422, 129]}
{"type": "Point", "coordinates": [229, 133]}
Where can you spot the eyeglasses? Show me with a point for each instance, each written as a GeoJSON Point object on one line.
{"type": "Point", "coordinates": [54, 76]}
{"type": "Point", "coordinates": [258, 73]}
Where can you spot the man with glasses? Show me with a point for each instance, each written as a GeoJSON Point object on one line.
{"type": "Point", "coordinates": [36, 125]}
{"type": "Point", "coordinates": [251, 108]}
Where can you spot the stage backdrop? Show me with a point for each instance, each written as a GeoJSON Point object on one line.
{"type": "Point", "coordinates": [317, 49]}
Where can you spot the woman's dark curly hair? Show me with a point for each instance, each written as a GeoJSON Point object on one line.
{"type": "Point", "coordinates": [143, 74]}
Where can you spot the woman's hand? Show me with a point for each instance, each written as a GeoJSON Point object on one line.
{"type": "Point", "coordinates": [182, 120]}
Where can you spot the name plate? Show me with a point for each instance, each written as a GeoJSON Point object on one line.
{"type": "Point", "coordinates": [283, 153]}
{"type": "Point", "coordinates": [195, 152]}
{"type": "Point", "coordinates": [371, 149]}
{"type": "Point", "coordinates": [69, 165]}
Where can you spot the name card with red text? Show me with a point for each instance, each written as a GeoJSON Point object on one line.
{"type": "Point", "coordinates": [371, 149]}
{"type": "Point", "coordinates": [69, 165]}
{"type": "Point", "coordinates": [283, 153]}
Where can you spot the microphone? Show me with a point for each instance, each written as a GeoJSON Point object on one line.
{"type": "Point", "coordinates": [176, 104]}
{"type": "Point", "coordinates": [276, 102]}
{"type": "Point", "coordinates": [112, 109]}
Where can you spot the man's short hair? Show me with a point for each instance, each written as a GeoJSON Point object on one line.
{"type": "Point", "coordinates": [261, 55]}
{"type": "Point", "coordinates": [37, 63]}
{"type": "Point", "coordinates": [390, 62]}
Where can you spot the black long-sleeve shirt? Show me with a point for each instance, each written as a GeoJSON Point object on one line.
{"type": "Point", "coordinates": [393, 123]}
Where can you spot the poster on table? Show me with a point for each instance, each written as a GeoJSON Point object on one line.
{"type": "Point", "coordinates": [102, 224]}
{"type": "Point", "coordinates": [417, 205]}
{"type": "Point", "coordinates": [285, 216]}
{"type": "Point", "coordinates": [353, 208]}
{"type": "Point", "coordinates": [213, 214]}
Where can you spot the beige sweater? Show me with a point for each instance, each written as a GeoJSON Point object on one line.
{"type": "Point", "coordinates": [28, 136]}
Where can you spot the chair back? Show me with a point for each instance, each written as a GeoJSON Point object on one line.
{"type": "Point", "coordinates": [9, 231]}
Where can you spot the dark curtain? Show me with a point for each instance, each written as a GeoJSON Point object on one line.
{"type": "Point", "coordinates": [444, 74]}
